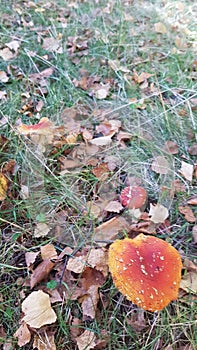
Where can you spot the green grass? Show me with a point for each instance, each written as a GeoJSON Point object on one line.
{"type": "Point", "coordinates": [119, 32]}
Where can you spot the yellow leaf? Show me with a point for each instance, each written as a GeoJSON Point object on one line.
{"type": "Point", "coordinates": [3, 186]}
{"type": "Point", "coordinates": [160, 28]}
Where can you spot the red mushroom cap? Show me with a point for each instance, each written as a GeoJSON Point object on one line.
{"type": "Point", "coordinates": [133, 197]}
{"type": "Point", "coordinates": [147, 270]}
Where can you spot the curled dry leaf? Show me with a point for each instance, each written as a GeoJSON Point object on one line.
{"type": "Point", "coordinates": [3, 186]}
{"type": "Point", "coordinates": [30, 258]}
{"type": "Point", "coordinates": [37, 309]}
{"type": "Point", "coordinates": [188, 213]}
{"type": "Point", "coordinates": [158, 213]}
{"type": "Point", "coordinates": [187, 170]}
{"type": "Point", "coordinates": [160, 165]}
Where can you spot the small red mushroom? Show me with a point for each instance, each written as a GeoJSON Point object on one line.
{"type": "Point", "coordinates": [133, 197]}
{"type": "Point", "coordinates": [147, 270]}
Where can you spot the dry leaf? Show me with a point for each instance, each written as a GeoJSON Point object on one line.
{"type": "Point", "coordinates": [7, 54]}
{"type": "Point", "coordinates": [109, 230]}
{"type": "Point", "coordinates": [160, 165]}
{"type": "Point", "coordinates": [158, 213]}
{"type": "Point", "coordinates": [187, 170]}
{"type": "Point", "coordinates": [192, 201]}
{"type": "Point", "coordinates": [41, 272]}
{"type": "Point", "coordinates": [160, 28]}
{"type": "Point", "coordinates": [189, 282]}
{"type": "Point", "coordinates": [30, 258]}
{"type": "Point", "coordinates": [101, 171]}
{"type": "Point", "coordinates": [37, 309]}
{"type": "Point", "coordinates": [23, 334]}
{"type": "Point", "coordinates": [89, 302]}
{"type": "Point", "coordinates": [13, 45]}
{"type": "Point", "coordinates": [52, 45]}
{"type": "Point", "coordinates": [114, 207]}
{"type": "Point", "coordinates": [3, 77]}
{"type": "Point", "coordinates": [3, 186]}
{"type": "Point", "coordinates": [86, 341]}
{"type": "Point", "coordinates": [75, 328]}
{"type": "Point", "coordinates": [41, 230]}
{"type": "Point", "coordinates": [48, 251]}
{"type": "Point", "coordinates": [194, 233]}
{"type": "Point", "coordinates": [102, 92]}
{"type": "Point", "coordinates": [3, 95]}
{"type": "Point", "coordinates": [101, 141]}
{"type": "Point", "coordinates": [171, 147]}
{"type": "Point", "coordinates": [193, 150]}
{"type": "Point", "coordinates": [44, 341]}
{"type": "Point", "coordinates": [188, 213]}
{"type": "Point", "coordinates": [142, 78]}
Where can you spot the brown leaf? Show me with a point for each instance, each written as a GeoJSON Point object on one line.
{"type": "Point", "coordinates": [3, 95]}
{"type": "Point", "coordinates": [160, 165]}
{"type": "Point", "coordinates": [41, 272]}
{"type": "Point", "coordinates": [41, 229]}
{"type": "Point", "coordinates": [114, 207]}
{"type": "Point", "coordinates": [187, 212]}
{"type": "Point", "coordinates": [48, 251]}
{"type": "Point", "coordinates": [23, 334]}
{"type": "Point", "coordinates": [109, 230]}
{"type": "Point", "coordinates": [86, 341]}
{"type": "Point", "coordinates": [171, 147]}
{"type": "Point", "coordinates": [37, 310]}
{"type": "Point", "coordinates": [187, 170]}
{"type": "Point", "coordinates": [75, 328]}
{"type": "Point", "coordinates": [7, 54]}
{"type": "Point", "coordinates": [89, 302]}
{"type": "Point", "coordinates": [142, 77]}
{"type": "Point", "coordinates": [101, 141]}
{"type": "Point", "coordinates": [193, 150]}
{"type": "Point", "coordinates": [101, 171]}
{"type": "Point", "coordinates": [192, 201]}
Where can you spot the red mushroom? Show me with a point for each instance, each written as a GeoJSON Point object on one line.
{"type": "Point", "coordinates": [147, 270]}
{"type": "Point", "coordinates": [133, 197]}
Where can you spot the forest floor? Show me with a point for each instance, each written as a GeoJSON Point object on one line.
{"type": "Point", "coordinates": [95, 96]}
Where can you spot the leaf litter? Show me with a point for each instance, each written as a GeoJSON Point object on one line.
{"type": "Point", "coordinates": [82, 148]}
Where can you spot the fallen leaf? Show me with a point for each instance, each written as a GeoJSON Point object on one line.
{"type": "Point", "coordinates": [30, 258]}
{"type": "Point", "coordinates": [44, 341]}
{"type": "Point", "coordinates": [189, 282]}
{"type": "Point", "coordinates": [7, 54]}
{"type": "Point", "coordinates": [192, 201]}
{"type": "Point", "coordinates": [48, 251]}
{"type": "Point", "coordinates": [41, 230]}
{"type": "Point", "coordinates": [158, 213]}
{"type": "Point", "coordinates": [108, 230]}
{"type": "Point", "coordinates": [86, 341]}
{"type": "Point", "coordinates": [13, 45]}
{"type": "Point", "coordinates": [41, 272]}
{"type": "Point", "coordinates": [3, 186]}
{"type": "Point", "coordinates": [114, 207]}
{"type": "Point", "coordinates": [52, 45]}
{"type": "Point", "coordinates": [3, 77]}
{"type": "Point", "coordinates": [75, 328]}
{"type": "Point", "coordinates": [193, 150]}
{"type": "Point", "coordinates": [37, 309]}
{"type": "Point", "coordinates": [142, 77]}
{"type": "Point", "coordinates": [23, 334]}
{"type": "Point", "coordinates": [194, 233]}
{"type": "Point", "coordinates": [102, 91]}
{"type": "Point", "coordinates": [89, 302]}
{"type": "Point", "coordinates": [187, 170]}
{"type": "Point", "coordinates": [160, 28]}
{"type": "Point", "coordinates": [171, 147]}
{"type": "Point", "coordinates": [160, 165]}
{"type": "Point", "coordinates": [187, 212]}
{"type": "Point", "coordinates": [101, 171]}
{"type": "Point", "coordinates": [101, 141]}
